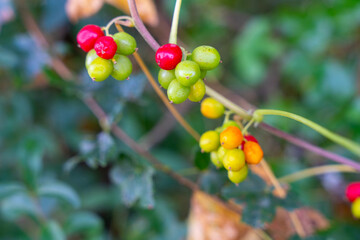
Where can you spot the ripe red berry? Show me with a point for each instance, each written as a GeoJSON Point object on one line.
{"type": "Point", "coordinates": [250, 138]}
{"type": "Point", "coordinates": [168, 56]}
{"type": "Point", "coordinates": [105, 47]}
{"type": "Point", "coordinates": [353, 191]}
{"type": "Point", "coordinates": [87, 36]}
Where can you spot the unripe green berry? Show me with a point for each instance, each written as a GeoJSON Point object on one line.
{"type": "Point", "coordinates": [177, 93]}
{"type": "Point", "coordinates": [126, 44]}
{"type": "Point", "coordinates": [202, 74]}
{"type": "Point", "coordinates": [215, 159]}
{"type": "Point", "coordinates": [100, 69]}
{"type": "Point", "coordinates": [209, 141]}
{"type": "Point", "coordinates": [90, 57]}
{"type": "Point", "coordinates": [197, 91]}
{"type": "Point", "coordinates": [122, 68]}
{"type": "Point", "coordinates": [207, 57]}
{"type": "Point", "coordinates": [187, 73]}
{"type": "Point", "coordinates": [239, 176]}
{"type": "Point", "coordinates": [226, 125]}
{"type": "Point", "coordinates": [165, 77]}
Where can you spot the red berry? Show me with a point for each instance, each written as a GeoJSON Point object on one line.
{"type": "Point", "coordinates": [353, 191]}
{"type": "Point", "coordinates": [105, 47]}
{"type": "Point", "coordinates": [87, 36]}
{"type": "Point", "coordinates": [168, 56]}
{"type": "Point", "coordinates": [250, 138]}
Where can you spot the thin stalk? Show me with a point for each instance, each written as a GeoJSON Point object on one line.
{"type": "Point", "coordinates": [116, 20]}
{"type": "Point", "coordinates": [175, 22]}
{"type": "Point", "coordinates": [248, 125]}
{"type": "Point", "coordinates": [350, 145]}
{"type": "Point", "coordinates": [310, 172]}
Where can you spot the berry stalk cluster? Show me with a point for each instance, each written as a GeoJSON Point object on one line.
{"type": "Point", "coordinates": [106, 55]}
{"type": "Point", "coordinates": [227, 145]}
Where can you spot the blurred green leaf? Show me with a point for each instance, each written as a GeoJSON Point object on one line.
{"type": "Point", "coordinates": [201, 160]}
{"type": "Point", "coordinates": [18, 206]}
{"type": "Point", "coordinates": [84, 223]}
{"type": "Point", "coordinates": [52, 230]}
{"type": "Point", "coordinates": [10, 188]}
{"type": "Point", "coordinates": [60, 191]}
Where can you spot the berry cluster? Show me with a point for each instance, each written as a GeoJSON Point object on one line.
{"type": "Point", "coordinates": [227, 145]}
{"type": "Point", "coordinates": [183, 77]}
{"type": "Point", "coordinates": [106, 55]}
{"type": "Point", "coordinates": [353, 195]}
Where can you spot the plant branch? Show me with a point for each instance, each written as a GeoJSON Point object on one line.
{"type": "Point", "coordinates": [310, 172]}
{"type": "Point", "coordinates": [175, 23]}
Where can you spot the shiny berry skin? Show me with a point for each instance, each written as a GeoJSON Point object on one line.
{"type": "Point", "coordinates": [187, 73]}
{"type": "Point", "coordinates": [168, 56]}
{"type": "Point", "coordinates": [234, 160]}
{"type": "Point", "coordinates": [165, 77]}
{"type": "Point", "coordinates": [355, 208]}
{"type": "Point", "coordinates": [353, 191]}
{"type": "Point", "coordinates": [90, 57]}
{"type": "Point", "coordinates": [207, 57]}
{"type": "Point", "coordinates": [105, 47]}
{"type": "Point", "coordinates": [122, 67]}
{"type": "Point", "coordinates": [209, 141]}
{"type": "Point", "coordinates": [87, 37]}
{"type": "Point", "coordinates": [197, 91]}
{"type": "Point", "coordinates": [253, 152]}
{"type": "Point", "coordinates": [177, 93]}
{"type": "Point", "coordinates": [211, 108]}
{"type": "Point", "coordinates": [126, 44]}
{"type": "Point", "coordinates": [239, 176]}
{"type": "Point", "coordinates": [221, 152]}
{"type": "Point", "coordinates": [250, 138]}
{"type": "Point", "coordinates": [215, 159]}
{"type": "Point", "coordinates": [231, 137]}
{"type": "Point", "coordinates": [100, 69]}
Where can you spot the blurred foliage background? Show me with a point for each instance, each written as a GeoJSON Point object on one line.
{"type": "Point", "coordinates": [63, 177]}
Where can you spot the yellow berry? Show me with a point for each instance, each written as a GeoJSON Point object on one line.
{"type": "Point", "coordinates": [221, 153]}
{"type": "Point", "coordinates": [211, 108]}
{"type": "Point", "coordinates": [215, 159]}
{"type": "Point", "coordinates": [239, 176]}
{"type": "Point", "coordinates": [234, 160]}
{"type": "Point", "coordinates": [355, 208]}
{"type": "Point", "coordinates": [209, 141]}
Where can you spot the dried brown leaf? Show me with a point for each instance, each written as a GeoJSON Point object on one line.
{"type": "Point", "coordinates": [77, 9]}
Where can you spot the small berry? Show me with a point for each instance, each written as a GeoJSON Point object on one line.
{"type": "Point", "coordinates": [239, 176]}
{"type": "Point", "coordinates": [207, 57]}
{"type": "Point", "coordinates": [90, 57]}
{"type": "Point", "coordinates": [253, 152]}
{"type": "Point", "coordinates": [126, 44]}
{"type": "Point", "coordinates": [228, 124]}
{"type": "Point", "coordinates": [215, 159]}
{"type": "Point", "coordinates": [234, 160]}
{"type": "Point", "coordinates": [250, 138]}
{"type": "Point", "coordinates": [100, 69]}
{"type": "Point", "coordinates": [187, 73]}
{"type": "Point", "coordinates": [165, 77]}
{"type": "Point", "coordinates": [87, 37]}
{"type": "Point", "coordinates": [353, 191]}
{"type": "Point", "coordinates": [355, 208]}
{"type": "Point", "coordinates": [197, 91]}
{"type": "Point", "coordinates": [122, 67]}
{"type": "Point", "coordinates": [221, 153]}
{"type": "Point", "coordinates": [177, 93]}
{"type": "Point", "coordinates": [211, 108]}
{"type": "Point", "coordinates": [168, 56]}
{"type": "Point", "coordinates": [231, 137]}
{"type": "Point", "coordinates": [105, 47]}
{"type": "Point", "coordinates": [209, 141]}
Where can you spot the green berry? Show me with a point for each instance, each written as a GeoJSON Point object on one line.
{"type": "Point", "coordinates": [126, 44]}
{"type": "Point", "coordinates": [90, 56]}
{"type": "Point", "coordinates": [100, 69]}
{"type": "Point", "coordinates": [221, 153]}
{"type": "Point", "coordinates": [122, 68]}
{"type": "Point", "coordinates": [239, 176]}
{"type": "Point", "coordinates": [165, 77]}
{"type": "Point", "coordinates": [234, 160]}
{"type": "Point", "coordinates": [226, 125]}
{"type": "Point", "coordinates": [197, 91]}
{"type": "Point", "coordinates": [177, 93]}
{"type": "Point", "coordinates": [187, 73]}
{"type": "Point", "coordinates": [202, 74]}
{"type": "Point", "coordinates": [207, 57]}
{"type": "Point", "coordinates": [215, 159]}
{"type": "Point", "coordinates": [209, 141]}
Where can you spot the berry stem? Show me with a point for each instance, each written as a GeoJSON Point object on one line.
{"type": "Point", "coordinates": [314, 171]}
{"type": "Point", "coordinates": [248, 125]}
{"type": "Point", "coordinates": [175, 22]}
{"type": "Point", "coordinates": [121, 19]}
{"type": "Point", "coordinates": [227, 116]}
{"type": "Point", "coordinates": [350, 145]}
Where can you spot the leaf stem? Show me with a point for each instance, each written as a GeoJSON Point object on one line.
{"type": "Point", "coordinates": [175, 23]}
{"type": "Point", "coordinates": [310, 172]}
{"type": "Point", "coordinates": [350, 145]}
{"type": "Point", "coordinates": [117, 19]}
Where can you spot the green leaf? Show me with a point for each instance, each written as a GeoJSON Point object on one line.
{"type": "Point", "coordinates": [52, 230]}
{"type": "Point", "coordinates": [212, 181]}
{"type": "Point", "coordinates": [135, 183]}
{"type": "Point", "coordinates": [201, 160]}
{"type": "Point", "coordinates": [60, 191]}
{"type": "Point", "coordinates": [18, 206]}
{"type": "Point", "coordinates": [85, 223]}
{"type": "Point", "coordinates": [8, 189]}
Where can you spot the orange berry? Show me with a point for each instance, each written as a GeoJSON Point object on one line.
{"type": "Point", "coordinates": [253, 152]}
{"type": "Point", "coordinates": [231, 137]}
{"type": "Point", "coordinates": [211, 108]}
